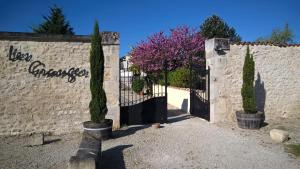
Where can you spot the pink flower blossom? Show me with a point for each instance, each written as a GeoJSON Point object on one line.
{"type": "Point", "coordinates": [177, 49]}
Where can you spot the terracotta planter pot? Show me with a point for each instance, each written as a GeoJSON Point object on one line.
{"type": "Point", "coordinates": [249, 121]}
{"type": "Point", "coordinates": [156, 125]}
{"type": "Point", "coordinates": [99, 131]}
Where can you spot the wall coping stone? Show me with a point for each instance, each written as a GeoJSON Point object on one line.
{"type": "Point", "coordinates": [265, 44]}
{"type": "Point", "coordinates": [108, 38]}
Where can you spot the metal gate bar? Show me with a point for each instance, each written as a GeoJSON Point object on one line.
{"type": "Point", "coordinates": [149, 106]}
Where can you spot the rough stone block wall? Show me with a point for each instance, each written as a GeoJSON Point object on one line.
{"type": "Point", "coordinates": [57, 105]}
{"type": "Point", "coordinates": [277, 80]}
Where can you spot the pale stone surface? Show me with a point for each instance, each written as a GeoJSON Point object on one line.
{"type": "Point", "coordinates": [279, 135]}
{"type": "Point", "coordinates": [177, 97]}
{"type": "Point", "coordinates": [277, 80]}
{"type": "Point", "coordinates": [35, 139]}
{"type": "Point", "coordinates": [87, 163]}
{"type": "Point", "coordinates": [52, 105]}
{"type": "Point", "coordinates": [88, 154]}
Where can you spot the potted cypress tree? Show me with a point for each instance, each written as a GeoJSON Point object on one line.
{"type": "Point", "coordinates": [250, 118]}
{"type": "Point", "coordinates": [98, 127]}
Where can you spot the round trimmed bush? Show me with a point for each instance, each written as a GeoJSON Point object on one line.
{"type": "Point", "coordinates": [180, 77]}
{"type": "Point", "coordinates": [183, 77]}
{"type": "Point", "coordinates": [137, 85]}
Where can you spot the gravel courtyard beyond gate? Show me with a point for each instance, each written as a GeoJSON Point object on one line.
{"type": "Point", "coordinates": [185, 142]}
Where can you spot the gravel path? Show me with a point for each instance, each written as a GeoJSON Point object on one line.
{"type": "Point", "coordinates": [193, 143]}
{"type": "Point", "coordinates": [185, 142]}
{"type": "Point", "coordinates": [15, 154]}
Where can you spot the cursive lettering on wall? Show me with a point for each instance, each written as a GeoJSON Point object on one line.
{"type": "Point", "coordinates": [37, 68]}
{"type": "Point", "coordinates": [14, 55]}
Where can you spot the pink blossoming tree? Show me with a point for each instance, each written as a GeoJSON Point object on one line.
{"type": "Point", "coordinates": [182, 46]}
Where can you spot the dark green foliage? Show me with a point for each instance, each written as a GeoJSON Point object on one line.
{"type": "Point", "coordinates": [55, 23]}
{"type": "Point", "coordinates": [180, 77]}
{"type": "Point", "coordinates": [97, 105]}
{"type": "Point", "coordinates": [247, 91]}
{"type": "Point", "coordinates": [215, 27]}
{"type": "Point", "coordinates": [149, 84]}
{"type": "Point", "coordinates": [294, 149]}
{"type": "Point", "coordinates": [279, 36]}
{"type": "Point", "coordinates": [137, 84]}
{"type": "Point", "coordinates": [161, 79]}
{"type": "Point", "coordinates": [135, 70]}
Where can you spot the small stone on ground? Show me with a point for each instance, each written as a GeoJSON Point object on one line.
{"type": "Point", "coordinates": [279, 135]}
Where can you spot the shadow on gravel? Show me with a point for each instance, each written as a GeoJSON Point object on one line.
{"type": "Point", "coordinates": [179, 118]}
{"type": "Point", "coordinates": [113, 158]}
{"type": "Point", "coordinates": [264, 124]}
{"type": "Point", "coordinates": [175, 112]}
{"type": "Point", "coordinates": [51, 141]}
{"type": "Point", "coordinates": [126, 131]}
{"type": "Point", "coordinates": [176, 115]}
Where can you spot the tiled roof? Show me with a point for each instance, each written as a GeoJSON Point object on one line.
{"type": "Point", "coordinates": [264, 43]}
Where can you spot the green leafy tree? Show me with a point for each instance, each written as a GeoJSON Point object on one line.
{"type": "Point", "coordinates": [247, 91]}
{"type": "Point", "coordinates": [55, 23]}
{"type": "Point", "coordinates": [97, 105]}
{"type": "Point", "coordinates": [279, 36]}
{"type": "Point", "coordinates": [215, 27]}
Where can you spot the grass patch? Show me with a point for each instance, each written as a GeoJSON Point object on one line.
{"type": "Point", "coordinates": [294, 149]}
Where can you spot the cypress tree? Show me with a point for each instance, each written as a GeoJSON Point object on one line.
{"type": "Point", "coordinates": [97, 105]}
{"type": "Point", "coordinates": [247, 91]}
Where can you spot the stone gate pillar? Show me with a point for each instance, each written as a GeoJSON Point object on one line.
{"type": "Point", "coordinates": [216, 51]}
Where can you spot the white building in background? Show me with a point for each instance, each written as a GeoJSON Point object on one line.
{"type": "Point", "coordinates": [125, 73]}
{"type": "Point", "coordinates": [125, 64]}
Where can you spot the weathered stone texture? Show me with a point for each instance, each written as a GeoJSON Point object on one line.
{"type": "Point", "coordinates": [277, 81]}
{"type": "Point", "coordinates": [52, 105]}
{"type": "Point", "coordinates": [279, 135]}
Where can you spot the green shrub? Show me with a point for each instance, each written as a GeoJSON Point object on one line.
{"type": "Point", "coordinates": [249, 104]}
{"type": "Point", "coordinates": [157, 78]}
{"type": "Point", "coordinates": [137, 84]}
{"type": "Point", "coordinates": [183, 77]}
{"type": "Point", "coordinates": [180, 77]}
{"type": "Point", "coordinates": [161, 79]}
{"type": "Point", "coordinates": [135, 70]}
{"type": "Point", "coordinates": [97, 104]}
{"type": "Point", "coordinates": [294, 149]}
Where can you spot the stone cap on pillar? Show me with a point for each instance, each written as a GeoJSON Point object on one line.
{"type": "Point", "coordinates": [217, 44]}
{"type": "Point", "coordinates": [108, 38]}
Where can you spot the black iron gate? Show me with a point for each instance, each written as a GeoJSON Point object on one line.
{"type": "Point", "coordinates": [199, 91]}
{"type": "Point", "coordinates": [141, 107]}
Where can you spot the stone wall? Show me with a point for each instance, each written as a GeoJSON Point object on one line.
{"type": "Point", "coordinates": [277, 79]}
{"type": "Point", "coordinates": [58, 102]}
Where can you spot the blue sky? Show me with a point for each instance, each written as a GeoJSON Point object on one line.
{"type": "Point", "coordinates": [137, 19]}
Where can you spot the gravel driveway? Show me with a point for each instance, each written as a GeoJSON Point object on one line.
{"type": "Point", "coordinates": [193, 143]}
{"type": "Point", "coordinates": [185, 142]}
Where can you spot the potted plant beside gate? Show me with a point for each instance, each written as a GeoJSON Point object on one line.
{"type": "Point", "coordinates": [98, 127]}
{"type": "Point", "coordinates": [137, 81]}
{"type": "Point", "coordinates": [249, 118]}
